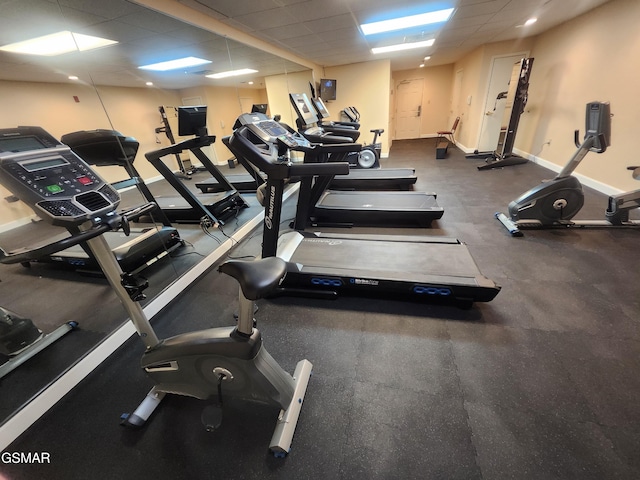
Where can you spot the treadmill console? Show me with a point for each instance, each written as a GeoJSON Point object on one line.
{"type": "Point", "coordinates": [57, 184]}
{"type": "Point", "coordinates": [271, 132]}
{"type": "Point", "coordinates": [295, 142]}
{"type": "Point", "coordinates": [102, 147]}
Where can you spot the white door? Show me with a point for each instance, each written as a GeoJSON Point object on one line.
{"type": "Point", "coordinates": [501, 70]}
{"type": "Point", "coordinates": [408, 109]}
{"type": "Point", "coordinates": [246, 104]}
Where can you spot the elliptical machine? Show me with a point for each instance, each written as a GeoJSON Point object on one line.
{"type": "Point", "coordinates": [62, 189]}
{"type": "Point", "coordinates": [555, 202]}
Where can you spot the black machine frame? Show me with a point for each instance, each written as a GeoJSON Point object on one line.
{"type": "Point", "coordinates": [516, 99]}
{"type": "Point", "coordinates": [554, 203]}
{"type": "Point", "coordinates": [446, 271]}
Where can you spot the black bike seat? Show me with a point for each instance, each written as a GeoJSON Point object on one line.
{"type": "Point", "coordinates": [258, 277]}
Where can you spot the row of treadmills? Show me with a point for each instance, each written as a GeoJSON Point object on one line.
{"type": "Point", "coordinates": [419, 268]}
{"type": "Point", "coordinates": [331, 192]}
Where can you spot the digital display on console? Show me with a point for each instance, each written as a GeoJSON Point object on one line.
{"type": "Point", "coordinates": [321, 108]}
{"type": "Point", "coordinates": [43, 164]}
{"type": "Point", "coordinates": [20, 144]}
{"type": "Point", "coordinates": [303, 107]}
{"type": "Point", "coordinates": [272, 128]}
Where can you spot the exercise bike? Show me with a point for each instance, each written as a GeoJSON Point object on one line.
{"type": "Point", "coordinates": [231, 361]}
{"type": "Point", "coordinates": [555, 202]}
{"type": "Point", "coordinates": [375, 146]}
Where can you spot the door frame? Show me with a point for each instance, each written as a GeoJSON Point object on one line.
{"type": "Point", "coordinates": [396, 84]}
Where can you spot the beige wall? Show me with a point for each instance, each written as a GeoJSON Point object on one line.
{"type": "Point", "coordinates": [367, 86]}
{"type": "Point", "coordinates": [593, 57]}
{"type": "Point", "coordinates": [436, 97]}
{"type": "Point", "coordinates": [278, 89]}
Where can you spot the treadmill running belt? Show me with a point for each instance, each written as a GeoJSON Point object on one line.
{"type": "Point", "coordinates": [378, 200]}
{"type": "Point", "coordinates": [419, 260]}
{"type": "Point", "coordinates": [438, 269]}
{"type": "Point", "coordinates": [379, 208]}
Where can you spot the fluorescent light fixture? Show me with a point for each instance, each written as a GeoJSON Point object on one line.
{"type": "Point", "coordinates": [406, 22]}
{"type": "Point", "coordinates": [57, 44]}
{"type": "Point", "coordinates": [73, 77]}
{"type": "Point", "coordinates": [403, 46]}
{"type": "Point", "coordinates": [175, 64]}
{"type": "Point", "coordinates": [232, 73]}
{"type": "Point", "coordinates": [149, 84]}
{"type": "Point", "coordinates": [531, 21]}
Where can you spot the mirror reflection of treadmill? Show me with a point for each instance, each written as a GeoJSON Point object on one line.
{"type": "Point", "coordinates": [242, 182]}
{"type": "Point", "coordinates": [406, 267]}
{"type": "Point", "coordinates": [188, 206]}
{"type": "Point", "coordinates": [135, 252]}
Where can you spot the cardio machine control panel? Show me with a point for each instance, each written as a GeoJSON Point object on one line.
{"type": "Point", "coordinates": [271, 132]}
{"type": "Point", "coordinates": [45, 174]}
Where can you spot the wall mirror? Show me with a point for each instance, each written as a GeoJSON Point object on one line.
{"type": "Point", "coordinates": [103, 90]}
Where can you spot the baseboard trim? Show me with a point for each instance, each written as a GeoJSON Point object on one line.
{"type": "Point", "coordinates": [586, 181]}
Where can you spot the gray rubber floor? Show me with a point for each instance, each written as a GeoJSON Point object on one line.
{"type": "Point", "coordinates": [541, 383]}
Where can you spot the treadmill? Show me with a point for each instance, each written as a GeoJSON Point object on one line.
{"type": "Point", "coordinates": [189, 207]}
{"type": "Point", "coordinates": [323, 113]}
{"type": "Point", "coordinates": [328, 265]}
{"type": "Point", "coordinates": [358, 178]}
{"type": "Point", "coordinates": [319, 206]}
{"type": "Point", "coordinates": [134, 252]}
{"type": "Point", "coordinates": [243, 182]}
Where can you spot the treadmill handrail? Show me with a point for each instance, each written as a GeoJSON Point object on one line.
{"type": "Point", "coordinates": [322, 169]}
{"type": "Point", "coordinates": [268, 162]}
{"type": "Point", "coordinates": [320, 135]}
{"type": "Point", "coordinates": [191, 143]}
{"type": "Point", "coordinates": [110, 222]}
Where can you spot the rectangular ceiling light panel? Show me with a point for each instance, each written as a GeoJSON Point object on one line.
{"type": "Point", "coordinates": [175, 64]}
{"type": "Point", "coordinates": [403, 46]}
{"type": "Point", "coordinates": [232, 73]}
{"type": "Point", "coordinates": [58, 44]}
{"type": "Point", "coordinates": [406, 22]}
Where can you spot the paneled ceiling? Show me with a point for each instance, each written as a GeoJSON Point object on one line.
{"type": "Point", "coordinates": [325, 32]}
